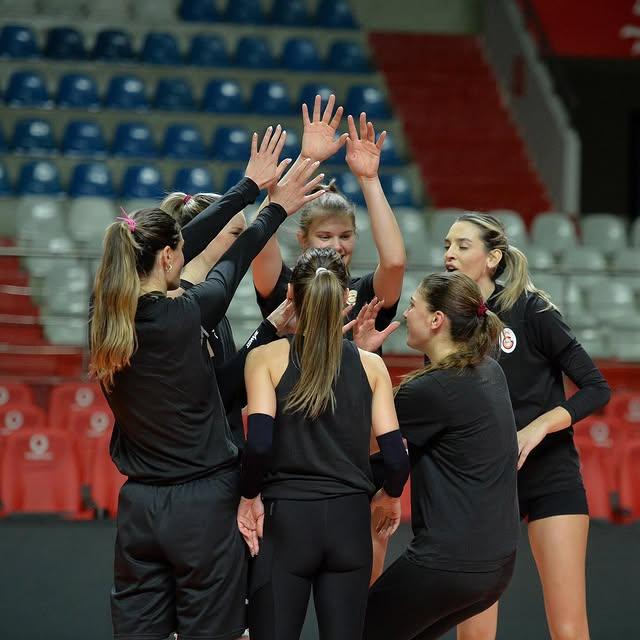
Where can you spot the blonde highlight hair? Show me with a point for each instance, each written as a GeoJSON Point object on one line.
{"type": "Point", "coordinates": [127, 256]}
{"type": "Point", "coordinates": [474, 329]}
{"type": "Point", "coordinates": [513, 267]}
{"type": "Point", "coordinates": [332, 204]}
{"type": "Point", "coordinates": [184, 208]}
{"type": "Point", "coordinates": [319, 281]}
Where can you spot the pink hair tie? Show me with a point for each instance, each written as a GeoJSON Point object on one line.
{"type": "Point", "coordinates": [482, 310]}
{"type": "Point", "coordinates": [126, 218]}
{"type": "Point", "coordinates": [186, 199]}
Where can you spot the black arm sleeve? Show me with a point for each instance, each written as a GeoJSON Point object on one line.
{"type": "Point", "coordinates": [230, 374]}
{"type": "Point", "coordinates": [593, 390]}
{"type": "Point", "coordinates": [215, 293]}
{"type": "Point", "coordinates": [208, 224]}
{"type": "Point", "coordinates": [256, 458]}
{"type": "Point", "coordinates": [396, 462]}
{"type": "Point", "coordinates": [553, 337]}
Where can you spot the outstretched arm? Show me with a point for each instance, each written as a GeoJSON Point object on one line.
{"type": "Point", "coordinates": [363, 158]}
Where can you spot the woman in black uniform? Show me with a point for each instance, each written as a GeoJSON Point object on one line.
{"type": "Point", "coordinates": [228, 361]}
{"type": "Point", "coordinates": [179, 561]}
{"type": "Point", "coordinates": [330, 220]}
{"type": "Point", "coordinates": [537, 348]}
{"type": "Point", "coordinates": [456, 416]}
{"type": "Point", "coordinates": [312, 403]}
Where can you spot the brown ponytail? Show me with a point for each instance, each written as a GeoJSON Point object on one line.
{"type": "Point", "coordinates": [513, 268]}
{"type": "Point", "coordinates": [319, 281]}
{"type": "Point", "coordinates": [127, 256]}
{"type": "Point", "coordinates": [474, 329]}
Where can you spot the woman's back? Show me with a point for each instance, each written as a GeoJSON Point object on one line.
{"type": "Point", "coordinates": [328, 455]}
{"type": "Point", "coordinates": [463, 449]}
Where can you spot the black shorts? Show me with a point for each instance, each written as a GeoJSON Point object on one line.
{"type": "Point", "coordinates": [180, 561]}
{"type": "Point", "coordinates": [560, 503]}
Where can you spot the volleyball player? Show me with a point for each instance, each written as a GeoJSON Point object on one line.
{"type": "Point", "coordinates": [330, 220]}
{"type": "Point", "coordinates": [228, 361]}
{"type": "Point", "coordinates": [537, 348]}
{"type": "Point", "coordinates": [457, 419]}
{"type": "Point", "coordinates": [179, 561]}
{"type": "Point", "coordinates": [312, 401]}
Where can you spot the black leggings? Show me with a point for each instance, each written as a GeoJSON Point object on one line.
{"type": "Point", "coordinates": [411, 602]}
{"type": "Point", "coordinates": [324, 544]}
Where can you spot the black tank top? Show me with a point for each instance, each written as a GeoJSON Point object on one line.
{"type": "Point", "coordinates": [327, 456]}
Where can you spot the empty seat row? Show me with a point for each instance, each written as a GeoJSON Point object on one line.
{"type": "Point", "coordinates": [79, 91]}
{"type": "Point", "coordinates": [555, 231]}
{"type": "Point", "coordinates": [145, 181]}
{"type": "Point", "coordinates": [205, 50]}
{"type": "Point", "coordinates": [326, 14]}
{"type": "Point", "coordinates": [136, 140]}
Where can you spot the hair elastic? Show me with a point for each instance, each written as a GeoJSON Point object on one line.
{"type": "Point", "coordinates": [321, 269]}
{"type": "Point", "coordinates": [482, 310]}
{"type": "Point", "coordinates": [125, 217]}
{"type": "Point", "coordinates": [186, 199]}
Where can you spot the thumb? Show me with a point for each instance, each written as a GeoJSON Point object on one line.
{"type": "Point", "coordinates": [391, 328]}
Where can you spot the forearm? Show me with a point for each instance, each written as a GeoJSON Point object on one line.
{"type": "Point", "coordinates": [205, 226]}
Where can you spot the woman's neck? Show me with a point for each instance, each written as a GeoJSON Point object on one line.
{"type": "Point", "coordinates": [438, 349]}
{"type": "Point", "coordinates": [487, 286]}
{"type": "Point", "coordinates": [153, 284]}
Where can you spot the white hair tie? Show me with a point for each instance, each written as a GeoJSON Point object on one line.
{"type": "Point", "coordinates": [321, 269]}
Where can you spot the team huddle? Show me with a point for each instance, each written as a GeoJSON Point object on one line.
{"type": "Point", "coordinates": [218, 533]}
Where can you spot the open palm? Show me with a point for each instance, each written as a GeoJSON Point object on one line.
{"type": "Point", "coordinates": [363, 153]}
{"type": "Point", "coordinates": [319, 140]}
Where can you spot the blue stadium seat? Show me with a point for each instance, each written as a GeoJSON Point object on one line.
{"type": "Point", "coordinates": [39, 179]}
{"type": "Point", "coordinates": [244, 12]}
{"type": "Point", "coordinates": [65, 43]}
{"type": "Point", "coordinates": [193, 180]}
{"type": "Point", "coordinates": [174, 94]}
{"type": "Point", "coordinates": [334, 14]}
{"type": "Point", "coordinates": [133, 140]}
{"type": "Point", "coordinates": [397, 188]}
{"type": "Point", "coordinates": [18, 41]}
{"type": "Point", "coordinates": [184, 141]}
{"type": "Point", "coordinates": [3, 143]}
{"type": "Point", "coordinates": [198, 11]}
{"type": "Point", "coordinates": [113, 45]}
{"type": "Point", "coordinates": [347, 56]}
{"type": "Point", "coordinates": [232, 178]}
{"type": "Point", "coordinates": [126, 92]}
{"type": "Point", "coordinates": [291, 147]}
{"type": "Point", "coordinates": [301, 54]}
{"type": "Point", "coordinates": [368, 99]}
{"type": "Point", "coordinates": [231, 144]}
{"type": "Point", "coordinates": [5, 183]}
{"type": "Point", "coordinates": [26, 89]}
{"type": "Point", "coordinates": [389, 156]}
{"type": "Point", "coordinates": [254, 52]}
{"type": "Point", "coordinates": [309, 92]}
{"type": "Point", "coordinates": [91, 179]}
{"type": "Point", "coordinates": [223, 96]}
{"type": "Point", "coordinates": [33, 135]}
{"type": "Point", "coordinates": [83, 138]}
{"type": "Point", "coordinates": [270, 98]}
{"type": "Point", "coordinates": [142, 181]}
{"type": "Point", "coordinates": [78, 92]}
{"type": "Point", "coordinates": [208, 51]}
{"type": "Point", "coordinates": [160, 48]}
{"type": "Point", "coordinates": [292, 13]}
{"type": "Point", "coordinates": [347, 183]}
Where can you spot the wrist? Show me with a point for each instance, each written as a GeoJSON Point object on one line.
{"type": "Point", "coordinates": [368, 180]}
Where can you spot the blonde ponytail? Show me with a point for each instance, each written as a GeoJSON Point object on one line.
{"type": "Point", "coordinates": [319, 281]}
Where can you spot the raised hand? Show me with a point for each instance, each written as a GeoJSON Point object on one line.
{"type": "Point", "coordinates": [363, 153]}
{"type": "Point", "coordinates": [263, 167]}
{"type": "Point", "coordinates": [296, 189]}
{"type": "Point", "coordinates": [319, 140]}
{"type": "Point", "coordinates": [365, 334]}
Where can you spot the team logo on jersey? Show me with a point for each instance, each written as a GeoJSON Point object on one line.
{"type": "Point", "coordinates": [351, 298]}
{"type": "Point", "coordinates": [508, 340]}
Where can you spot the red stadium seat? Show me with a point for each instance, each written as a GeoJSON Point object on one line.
{"type": "Point", "coordinates": [89, 428]}
{"type": "Point", "coordinates": [106, 480]}
{"type": "Point", "coordinates": [15, 417]}
{"type": "Point", "coordinates": [15, 393]}
{"type": "Point", "coordinates": [625, 406]}
{"type": "Point", "coordinates": [69, 396]}
{"type": "Point", "coordinates": [630, 481]}
{"type": "Point", "coordinates": [599, 489]}
{"type": "Point", "coordinates": [40, 473]}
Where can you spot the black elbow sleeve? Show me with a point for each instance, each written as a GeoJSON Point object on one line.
{"type": "Point", "coordinates": [256, 459]}
{"type": "Point", "coordinates": [396, 462]}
